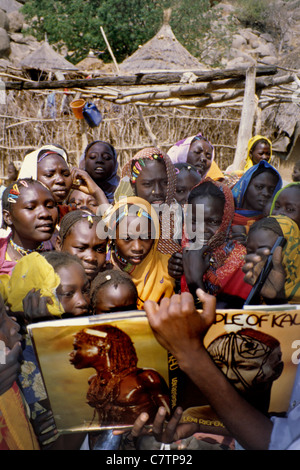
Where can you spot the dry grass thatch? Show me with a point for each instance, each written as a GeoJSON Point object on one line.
{"type": "Point", "coordinates": [45, 58]}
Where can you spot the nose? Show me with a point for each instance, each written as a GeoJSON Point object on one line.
{"type": "Point", "coordinates": [81, 300]}
{"type": "Point", "coordinates": [60, 180]}
{"type": "Point", "coordinates": [137, 246]}
{"type": "Point", "coordinates": [90, 256]}
{"type": "Point", "coordinates": [44, 213]}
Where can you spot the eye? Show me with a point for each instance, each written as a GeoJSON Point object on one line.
{"type": "Point", "coordinates": [101, 249]}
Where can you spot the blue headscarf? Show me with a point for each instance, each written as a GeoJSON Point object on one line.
{"type": "Point", "coordinates": [113, 180]}
{"type": "Point", "coordinates": [240, 188]}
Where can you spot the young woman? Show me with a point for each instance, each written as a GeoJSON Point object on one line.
{"type": "Point", "coordinates": [78, 236]}
{"type": "Point", "coordinates": [134, 233]}
{"type": "Point", "coordinates": [259, 148]}
{"type": "Point", "coordinates": [254, 192]}
{"type": "Point", "coordinates": [217, 266]}
{"type": "Point", "coordinates": [29, 209]}
{"type": "Point", "coordinates": [187, 178]}
{"type": "Point", "coordinates": [100, 162]}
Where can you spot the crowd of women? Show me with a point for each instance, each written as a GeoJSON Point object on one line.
{"type": "Point", "coordinates": [96, 239]}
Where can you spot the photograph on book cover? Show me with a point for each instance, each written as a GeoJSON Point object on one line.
{"type": "Point", "coordinates": [101, 373]}
{"type": "Point", "coordinates": [258, 352]}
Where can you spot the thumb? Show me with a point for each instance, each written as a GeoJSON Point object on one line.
{"type": "Point", "coordinates": [208, 307]}
{"type": "Point", "coordinates": [277, 257]}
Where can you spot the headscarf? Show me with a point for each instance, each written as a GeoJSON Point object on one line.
{"type": "Point", "coordinates": [30, 162]}
{"type": "Point", "coordinates": [252, 141]}
{"type": "Point", "coordinates": [240, 188]}
{"type": "Point", "coordinates": [151, 276]}
{"type": "Point", "coordinates": [178, 154]}
{"type": "Point", "coordinates": [33, 272]}
{"type": "Point", "coordinates": [227, 256]}
{"type": "Point", "coordinates": [166, 243]}
{"type": "Point", "coordinates": [113, 180]}
{"type": "Point", "coordinates": [291, 257]}
{"type": "Point", "coordinates": [290, 185]}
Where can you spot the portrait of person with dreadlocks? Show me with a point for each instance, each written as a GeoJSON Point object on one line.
{"type": "Point", "coordinates": [119, 391]}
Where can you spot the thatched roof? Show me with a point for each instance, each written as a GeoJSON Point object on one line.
{"type": "Point", "coordinates": [162, 52]}
{"type": "Point", "coordinates": [45, 58]}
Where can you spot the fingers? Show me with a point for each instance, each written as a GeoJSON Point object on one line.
{"type": "Point", "coordinates": [166, 433]}
{"type": "Point", "coordinates": [139, 424]}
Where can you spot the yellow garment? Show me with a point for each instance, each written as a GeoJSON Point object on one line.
{"type": "Point", "coordinates": [33, 272]}
{"type": "Point", "coordinates": [291, 257]}
{"type": "Point", "coordinates": [214, 172]}
{"type": "Point", "coordinates": [249, 162]}
{"type": "Point", "coordinates": [16, 432]}
{"type": "Point", "coordinates": [151, 276]}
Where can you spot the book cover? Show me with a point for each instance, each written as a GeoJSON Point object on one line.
{"type": "Point", "coordinates": [103, 371]}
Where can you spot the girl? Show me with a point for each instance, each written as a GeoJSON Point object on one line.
{"type": "Point", "coordinates": [287, 202]}
{"type": "Point", "coordinates": [78, 236]}
{"type": "Point", "coordinates": [259, 148]}
{"type": "Point", "coordinates": [187, 178]}
{"type": "Point", "coordinates": [100, 162]}
{"type": "Point", "coordinates": [262, 235]}
{"type": "Point", "coordinates": [253, 192]}
{"type": "Point", "coordinates": [153, 178]}
{"type": "Point", "coordinates": [113, 291]}
{"type": "Point", "coordinates": [134, 232]}
{"type": "Point", "coordinates": [217, 266]}
{"type": "Point", "coordinates": [30, 211]}
{"type": "Point", "coordinates": [82, 201]}
{"type": "Point", "coordinates": [49, 165]}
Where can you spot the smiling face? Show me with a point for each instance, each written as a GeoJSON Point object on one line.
{"type": "Point", "coordinates": [100, 161]}
{"type": "Point", "coordinates": [152, 182]}
{"type": "Point", "coordinates": [288, 204]}
{"type": "Point", "coordinates": [260, 191]}
{"type": "Point", "coordinates": [261, 151]}
{"type": "Point", "coordinates": [82, 241]}
{"type": "Point", "coordinates": [133, 239]}
{"type": "Point", "coordinates": [33, 217]}
{"type": "Point", "coordinates": [54, 172]}
{"type": "Point", "coordinates": [200, 155]}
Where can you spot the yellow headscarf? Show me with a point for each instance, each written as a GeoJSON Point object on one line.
{"type": "Point", "coordinates": [33, 272]}
{"type": "Point", "coordinates": [291, 257]}
{"type": "Point", "coordinates": [249, 162]}
{"type": "Point", "coordinates": [151, 276]}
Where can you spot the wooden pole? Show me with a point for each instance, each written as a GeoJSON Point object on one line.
{"type": "Point", "coordinates": [247, 120]}
{"type": "Point", "coordinates": [110, 50]}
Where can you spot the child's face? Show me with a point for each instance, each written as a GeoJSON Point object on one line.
{"type": "Point", "coordinates": [186, 180]}
{"type": "Point", "coordinates": [100, 161]}
{"type": "Point", "coordinates": [260, 239]}
{"type": "Point", "coordinates": [260, 191]}
{"type": "Point", "coordinates": [82, 241]}
{"type": "Point", "coordinates": [33, 216]}
{"type": "Point", "coordinates": [288, 203]}
{"type": "Point", "coordinates": [54, 172]}
{"type": "Point", "coordinates": [152, 183]}
{"type": "Point", "coordinates": [112, 298]}
{"type": "Point", "coordinates": [200, 155]}
{"type": "Point", "coordinates": [296, 172]}
{"type": "Point", "coordinates": [83, 201]}
{"type": "Point", "coordinates": [213, 215]}
{"type": "Point", "coordinates": [133, 239]}
{"type": "Point", "coordinates": [261, 152]}
{"type": "Point", "coordinates": [73, 291]}
{"type": "Point", "coordinates": [9, 329]}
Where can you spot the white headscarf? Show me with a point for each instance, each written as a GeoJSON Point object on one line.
{"type": "Point", "coordinates": [29, 165]}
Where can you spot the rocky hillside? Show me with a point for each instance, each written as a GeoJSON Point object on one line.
{"type": "Point", "coordinates": [239, 45]}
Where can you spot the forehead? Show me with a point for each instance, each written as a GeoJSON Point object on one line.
{"type": "Point", "coordinates": [114, 293]}
{"type": "Point", "coordinates": [266, 177]}
{"type": "Point", "coordinates": [71, 273]}
{"type": "Point", "coordinates": [261, 146]}
{"type": "Point", "coordinates": [291, 195]}
{"type": "Point", "coordinates": [100, 147]}
{"type": "Point", "coordinates": [153, 169]}
{"type": "Point", "coordinates": [35, 191]}
{"type": "Point", "coordinates": [262, 237]}
{"type": "Point", "coordinates": [211, 204]}
{"type": "Point", "coordinates": [188, 177]}
{"type": "Point", "coordinates": [201, 144]}
{"type": "Point", "coordinates": [52, 161]}
{"type": "Point", "coordinates": [85, 232]}
{"type": "Point", "coordinates": [134, 225]}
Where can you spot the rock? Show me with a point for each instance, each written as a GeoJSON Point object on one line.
{"type": "Point", "coordinates": [16, 21]}
{"type": "Point", "coordinates": [19, 52]}
{"type": "Point", "coordinates": [270, 60]}
{"type": "Point", "coordinates": [4, 22]}
{"type": "Point", "coordinates": [264, 50]}
{"type": "Point", "coordinates": [9, 5]}
{"type": "Point", "coordinates": [238, 41]}
{"type": "Point", "coordinates": [4, 43]}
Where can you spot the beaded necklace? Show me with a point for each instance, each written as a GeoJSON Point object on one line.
{"type": "Point", "coordinates": [23, 251]}
{"type": "Point", "coordinates": [127, 267]}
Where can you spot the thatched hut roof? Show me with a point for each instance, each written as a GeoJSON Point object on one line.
{"type": "Point", "coordinates": [162, 52]}
{"type": "Point", "coordinates": [45, 58]}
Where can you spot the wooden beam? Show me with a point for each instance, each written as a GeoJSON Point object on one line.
{"type": "Point", "coordinates": [136, 79]}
